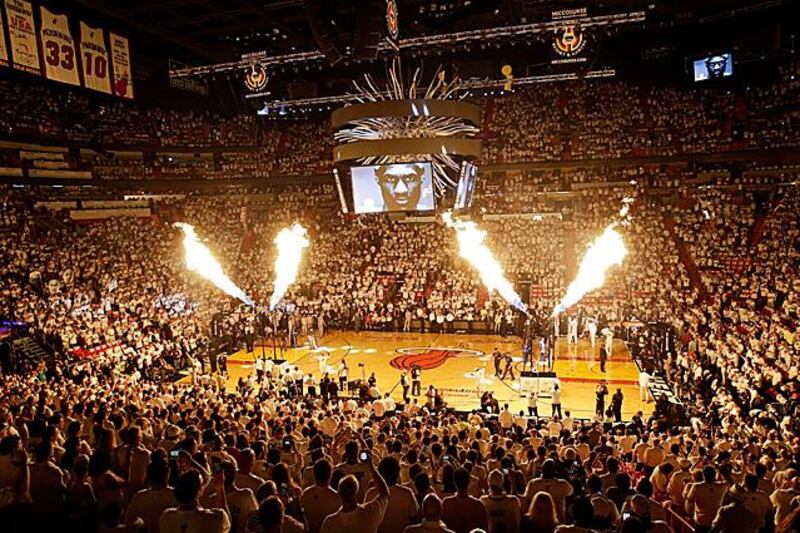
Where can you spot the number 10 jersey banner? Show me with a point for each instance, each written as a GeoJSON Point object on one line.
{"type": "Point", "coordinates": [58, 56]}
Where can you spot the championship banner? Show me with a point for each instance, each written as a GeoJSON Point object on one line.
{"type": "Point", "coordinates": [3, 47]}
{"type": "Point", "coordinates": [121, 64]}
{"type": "Point", "coordinates": [58, 47]}
{"type": "Point", "coordinates": [94, 57]}
{"type": "Point", "coordinates": [24, 46]}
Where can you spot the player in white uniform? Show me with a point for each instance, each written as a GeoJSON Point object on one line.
{"type": "Point", "coordinates": [609, 333]}
{"type": "Point", "coordinates": [322, 357]}
{"type": "Point", "coordinates": [480, 378]}
{"type": "Point", "coordinates": [591, 327]}
{"type": "Point", "coordinates": [572, 330]}
{"type": "Point", "coordinates": [644, 386]}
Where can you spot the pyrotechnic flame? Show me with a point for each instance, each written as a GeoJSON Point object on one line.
{"type": "Point", "coordinates": [606, 250]}
{"type": "Point", "coordinates": [472, 248]}
{"type": "Point", "coordinates": [290, 243]}
{"type": "Point", "coordinates": [200, 260]}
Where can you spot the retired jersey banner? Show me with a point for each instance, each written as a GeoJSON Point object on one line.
{"type": "Point", "coordinates": [24, 47]}
{"type": "Point", "coordinates": [58, 48]}
{"type": "Point", "coordinates": [94, 58]}
{"type": "Point", "coordinates": [3, 47]}
{"type": "Point", "coordinates": [121, 63]}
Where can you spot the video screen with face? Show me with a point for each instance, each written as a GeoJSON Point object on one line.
{"type": "Point", "coordinates": [466, 186]}
{"type": "Point", "coordinates": [713, 67]}
{"type": "Point", "coordinates": [393, 187]}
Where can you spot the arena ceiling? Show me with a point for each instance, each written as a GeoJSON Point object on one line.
{"type": "Point", "coordinates": [203, 31]}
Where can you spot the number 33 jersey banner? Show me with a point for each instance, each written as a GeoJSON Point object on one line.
{"type": "Point", "coordinates": [58, 49]}
{"type": "Point", "coordinates": [94, 57]}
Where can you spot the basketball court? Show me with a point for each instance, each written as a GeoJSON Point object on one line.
{"type": "Point", "coordinates": [450, 362]}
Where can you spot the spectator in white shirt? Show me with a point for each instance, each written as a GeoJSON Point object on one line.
{"type": "Point", "coordinates": [431, 517]}
{"type": "Point", "coordinates": [505, 418]}
{"type": "Point", "coordinates": [353, 516]}
{"type": "Point", "coordinates": [189, 516]}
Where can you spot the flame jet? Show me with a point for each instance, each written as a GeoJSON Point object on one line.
{"type": "Point", "coordinates": [607, 250]}
{"type": "Point", "coordinates": [200, 260]}
{"type": "Point", "coordinates": [472, 248]}
{"type": "Point", "coordinates": [290, 243]}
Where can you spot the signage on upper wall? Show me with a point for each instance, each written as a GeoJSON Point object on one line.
{"type": "Point", "coordinates": [255, 76]}
{"type": "Point", "coordinates": [191, 84]}
{"type": "Point", "coordinates": [570, 42]}
{"type": "Point", "coordinates": [392, 22]}
{"type": "Point", "coordinates": [255, 81]}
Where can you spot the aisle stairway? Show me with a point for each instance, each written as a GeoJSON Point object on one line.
{"type": "Point", "coordinates": [570, 254]}
{"type": "Point", "coordinates": [248, 240]}
{"type": "Point", "coordinates": [26, 348]}
{"type": "Point", "coordinates": [488, 119]}
{"type": "Point", "coordinates": [757, 232]}
{"type": "Point", "coordinates": [686, 258]}
{"type": "Point", "coordinates": [483, 295]}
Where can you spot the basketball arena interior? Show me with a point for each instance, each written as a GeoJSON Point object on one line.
{"type": "Point", "coordinates": [387, 266]}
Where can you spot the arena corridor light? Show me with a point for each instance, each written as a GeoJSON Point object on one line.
{"type": "Point", "coordinates": [472, 248]}
{"type": "Point", "coordinates": [290, 243]}
{"type": "Point", "coordinates": [200, 260]}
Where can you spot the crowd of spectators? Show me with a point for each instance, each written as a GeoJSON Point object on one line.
{"type": "Point", "coordinates": [587, 119]}
{"type": "Point", "coordinates": [98, 438]}
{"type": "Point", "coordinates": [110, 443]}
{"type": "Point", "coordinates": [613, 119]}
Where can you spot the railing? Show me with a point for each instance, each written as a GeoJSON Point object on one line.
{"type": "Point", "coordinates": [678, 523]}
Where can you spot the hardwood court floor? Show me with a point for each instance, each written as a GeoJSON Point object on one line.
{"type": "Point", "coordinates": [448, 358]}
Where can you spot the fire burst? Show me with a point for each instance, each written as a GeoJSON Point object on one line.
{"type": "Point", "coordinates": [200, 260]}
{"type": "Point", "coordinates": [472, 248]}
{"type": "Point", "coordinates": [290, 243]}
{"type": "Point", "coordinates": [606, 250]}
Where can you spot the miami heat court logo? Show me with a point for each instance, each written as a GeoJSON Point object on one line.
{"type": "Point", "coordinates": [429, 357]}
{"type": "Point", "coordinates": [569, 40]}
